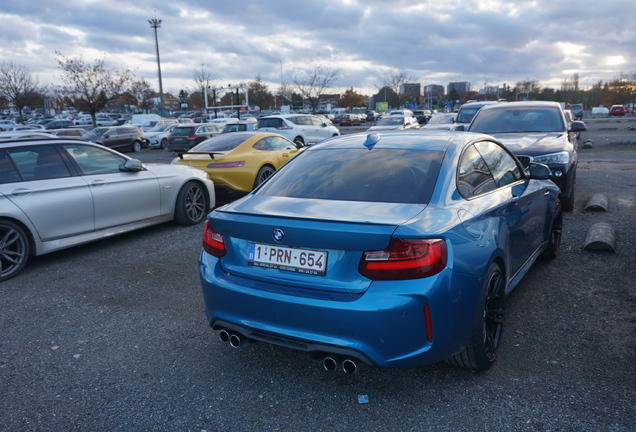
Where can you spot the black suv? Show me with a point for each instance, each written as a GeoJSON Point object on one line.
{"type": "Point", "coordinates": [122, 138]}
{"type": "Point", "coordinates": [184, 137]}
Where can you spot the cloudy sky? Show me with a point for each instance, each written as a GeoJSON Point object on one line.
{"type": "Point", "coordinates": [435, 42]}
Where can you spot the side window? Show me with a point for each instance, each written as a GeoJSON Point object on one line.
{"type": "Point", "coordinates": [280, 144]}
{"type": "Point", "coordinates": [316, 121]}
{"type": "Point", "coordinates": [474, 177]}
{"type": "Point", "coordinates": [502, 166]}
{"type": "Point", "coordinates": [39, 162]}
{"type": "Point", "coordinates": [93, 160]}
{"type": "Point", "coordinates": [262, 145]}
{"type": "Point", "coordinates": [8, 171]}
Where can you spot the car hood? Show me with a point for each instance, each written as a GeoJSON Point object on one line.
{"type": "Point", "coordinates": [532, 144]}
{"type": "Point", "coordinates": [383, 128]}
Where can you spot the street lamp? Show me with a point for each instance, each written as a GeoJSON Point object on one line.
{"type": "Point", "coordinates": [155, 24]}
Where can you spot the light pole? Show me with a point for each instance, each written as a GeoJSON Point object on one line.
{"type": "Point", "coordinates": [155, 24]}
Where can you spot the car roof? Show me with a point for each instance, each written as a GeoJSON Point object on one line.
{"type": "Point", "coordinates": [522, 104]}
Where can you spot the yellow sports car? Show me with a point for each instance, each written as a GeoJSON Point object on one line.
{"type": "Point", "coordinates": [239, 161]}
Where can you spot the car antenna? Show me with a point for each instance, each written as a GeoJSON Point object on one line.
{"type": "Point", "coordinates": [372, 140]}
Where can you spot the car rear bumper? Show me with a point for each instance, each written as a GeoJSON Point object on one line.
{"type": "Point", "coordinates": [384, 326]}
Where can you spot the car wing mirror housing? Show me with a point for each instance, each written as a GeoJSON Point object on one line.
{"type": "Point", "coordinates": [132, 165]}
{"type": "Point", "coordinates": [578, 126]}
{"type": "Point", "coordinates": [539, 171]}
{"type": "Point", "coordinates": [459, 128]}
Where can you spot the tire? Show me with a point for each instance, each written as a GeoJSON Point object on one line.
{"type": "Point", "coordinates": [14, 249]}
{"type": "Point", "coordinates": [556, 231]}
{"type": "Point", "coordinates": [481, 350]}
{"type": "Point", "coordinates": [299, 141]}
{"type": "Point", "coordinates": [164, 144]}
{"type": "Point", "coordinates": [136, 146]}
{"type": "Point", "coordinates": [568, 203]}
{"type": "Point", "coordinates": [263, 174]}
{"type": "Point", "coordinates": [192, 204]}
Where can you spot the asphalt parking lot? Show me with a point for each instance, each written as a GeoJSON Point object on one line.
{"type": "Point", "coordinates": [111, 336]}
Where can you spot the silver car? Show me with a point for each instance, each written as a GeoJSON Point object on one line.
{"type": "Point", "coordinates": [57, 193]}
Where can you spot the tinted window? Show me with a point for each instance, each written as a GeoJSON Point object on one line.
{"type": "Point", "coordinates": [182, 131]}
{"type": "Point", "coordinates": [8, 171]}
{"type": "Point", "coordinates": [502, 166]}
{"type": "Point", "coordinates": [379, 175]}
{"type": "Point", "coordinates": [518, 119]}
{"type": "Point", "coordinates": [39, 162]}
{"type": "Point", "coordinates": [94, 160]}
{"type": "Point", "coordinates": [474, 177]}
{"type": "Point", "coordinates": [220, 143]}
{"type": "Point", "coordinates": [270, 122]}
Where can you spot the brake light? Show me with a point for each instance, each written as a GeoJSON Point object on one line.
{"type": "Point", "coordinates": [227, 165]}
{"type": "Point", "coordinates": [191, 138]}
{"type": "Point", "coordinates": [213, 242]}
{"type": "Point", "coordinates": [405, 259]}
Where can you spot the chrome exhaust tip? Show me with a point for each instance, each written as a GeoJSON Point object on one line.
{"type": "Point", "coordinates": [330, 363]}
{"type": "Point", "coordinates": [224, 336]}
{"type": "Point", "coordinates": [349, 366]}
{"type": "Point", "coordinates": [235, 340]}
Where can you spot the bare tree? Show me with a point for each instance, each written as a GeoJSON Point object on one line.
{"type": "Point", "coordinates": [18, 86]}
{"type": "Point", "coordinates": [259, 93]}
{"type": "Point", "coordinates": [89, 87]}
{"type": "Point", "coordinates": [143, 93]}
{"type": "Point", "coordinates": [203, 80]}
{"type": "Point", "coordinates": [314, 82]}
{"type": "Point", "coordinates": [394, 80]}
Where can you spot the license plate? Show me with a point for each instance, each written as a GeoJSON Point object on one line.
{"type": "Point", "coordinates": [295, 260]}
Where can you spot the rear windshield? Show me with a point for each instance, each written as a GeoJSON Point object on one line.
{"type": "Point", "coordinates": [380, 175]}
{"type": "Point", "coordinates": [182, 131]}
{"type": "Point", "coordinates": [270, 122]}
{"type": "Point", "coordinates": [225, 142]}
{"type": "Point", "coordinates": [513, 119]}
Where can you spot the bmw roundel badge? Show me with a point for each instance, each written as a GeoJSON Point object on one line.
{"type": "Point", "coordinates": [278, 235]}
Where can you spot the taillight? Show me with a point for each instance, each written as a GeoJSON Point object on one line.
{"type": "Point", "coordinates": [213, 242]}
{"type": "Point", "coordinates": [227, 164]}
{"type": "Point", "coordinates": [405, 259]}
{"type": "Point", "coordinates": [191, 138]}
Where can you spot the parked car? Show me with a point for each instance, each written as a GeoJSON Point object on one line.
{"type": "Point", "coordinates": [422, 116]}
{"type": "Point", "coordinates": [536, 131]}
{"type": "Point", "coordinates": [334, 256]}
{"type": "Point", "coordinates": [240, 126]}
{"type": "Point", "coordinates": [67, 132]}
{"type": "Point", "coordinates": [302, 129]}
{"type": "Point", "coordinates": [101, 119]}
{"type": "Point", "coordinates": [467, 112]}
{"type": "Point", "coordinates": [79, 192]}
{"type": "Point", "coordinates": [185, 136]}
{"type": "Point", "coordinates": [348, 120]}
{"type": "Point", "coordinates": [441, 121]}
{"type": "Point", "coordinates": [124, 138]}
{"type": "Point", "coordinates": [24, 134]}
{"type": "Point", "coordinates": [240, 161]}
{"type": "Point", "coordinates": [158, 136]}
{"type": "Point", "coordinates": [577, 111]}
{"type": "Point", "coordinates": [617, 110]}
{"type": "Point", "coordinates": [371, 116]}
{"type": "Point", "coordinates": [395, 122]}
{"type": "Point", "coordinates": [59, 124]}
{"type": "Point", "coordinates": [6, 124]}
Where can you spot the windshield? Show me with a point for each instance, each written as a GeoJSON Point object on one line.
{"type": "Point", "coordinates": [518, 119]}
{"type": "Point", "coordinates": [391, 121]}
{"type": "Point", "coordinates": [358, 175]}
{"type": "Point", "coordinates": [160, 128]}
{"type": "Point", "coordinates": [96, 132]}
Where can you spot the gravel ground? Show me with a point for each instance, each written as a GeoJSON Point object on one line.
{"type": "Point", "coordinates": [111, 336]}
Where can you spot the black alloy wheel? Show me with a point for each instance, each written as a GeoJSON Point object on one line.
{"type": "Point", "coordinates": [262, 175]}
{"type": "Point", "coordinates": [14, 249]}
{"type": "Point", "coordinates": [192, 204]}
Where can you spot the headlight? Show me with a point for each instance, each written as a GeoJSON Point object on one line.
{"type": "Point", "coordinates": [561, 158]}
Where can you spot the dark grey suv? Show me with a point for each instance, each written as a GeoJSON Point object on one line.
{"type": "Point", "coordinates": [122, 138]}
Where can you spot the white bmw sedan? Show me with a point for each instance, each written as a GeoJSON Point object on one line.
{"type": "Point", "coordinates": [57, 193]}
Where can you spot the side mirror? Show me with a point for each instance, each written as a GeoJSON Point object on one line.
{"type": "Point", "coordinates": [539, 171]}
{"type": "Point", "coordinates": [106, 135]}
{"type": "Point", "coordinates": [459, 127]}
{"type": "Point", "coordinates": [578, 126]}
{"type": "Point", "coordinates": [133, 165]}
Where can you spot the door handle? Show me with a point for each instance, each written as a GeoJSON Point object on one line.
{"type": "Point", "coordinates": [19, 192]}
